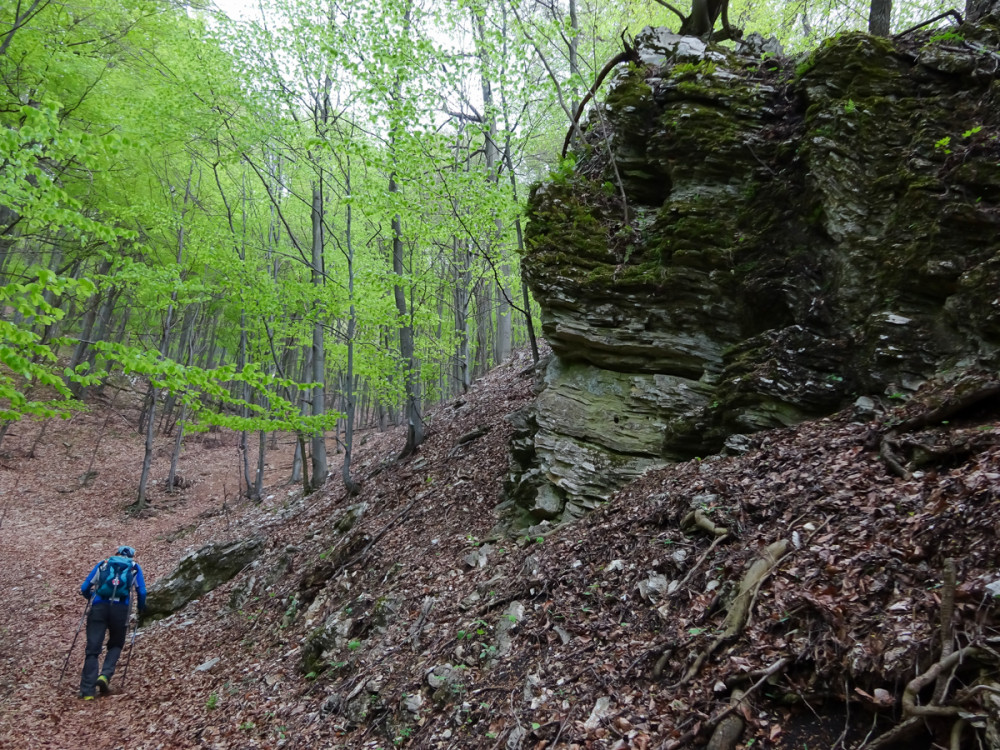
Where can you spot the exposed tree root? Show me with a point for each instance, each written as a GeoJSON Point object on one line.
{"type": "Point", "coordinates": [685, 739]}
{"type": "Point", "coordinates": [739, 608]}
{"type": "Point", "coordinates": [728, 730]}
{"type": "Point", "coordinates": [698, 518]}
{"type": "Point", "coordinates": [890, 445]}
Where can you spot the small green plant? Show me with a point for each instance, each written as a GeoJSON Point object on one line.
{"type": "Point", "coordinates": [850, 107]}
{"type": "Point", "coordinates": [312, 675]}
{"type": "Point", "coordinates": [354, 645]}
{"type": "Point", "coordinates": [246, 726]}
{"type": "Point", "coordinates": [943, 145]}
{"type": "Point", "coordinates": [212, 702]}
{"type": "Point", "coordinates": [404, 734]}
{"type": "Point", "coordinates": [696, 631]}
{"type": "Point", "coordinates": [293, 609]}
{"type": "Point", "coordinates": [564, 171]}
{"type": "Point", "coordinates": [972, 131]}
{"type": "Point", "coordinates": [805, 66]}
{"type": "Point", "coordinates": [947, 36]}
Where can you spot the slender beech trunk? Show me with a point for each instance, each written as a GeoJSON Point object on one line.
{"type": "Point", "coordinates": [491, 156]}
{"type": "Point", "coordinates": [318, 440]}
{"type": "Point", "coordinates": [411, 367]}
{"type": "Point", "coordinates": [348, 389]}
{"type": "Point", "coordinates": [153, 395]}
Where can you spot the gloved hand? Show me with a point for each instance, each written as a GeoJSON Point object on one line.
{"type": "Point", "coordinates": [85, 593]}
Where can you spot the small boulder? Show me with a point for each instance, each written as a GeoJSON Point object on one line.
{"type": "Point", "coordinates": [198, 573]}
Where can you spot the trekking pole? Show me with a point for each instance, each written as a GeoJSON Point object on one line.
{"type": "Point", "coordinates": [79, 627]}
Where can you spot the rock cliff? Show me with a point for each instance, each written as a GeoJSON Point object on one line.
{"type": "Point", "coordinates": [746, 241]}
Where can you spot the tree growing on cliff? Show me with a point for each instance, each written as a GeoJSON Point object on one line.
{"type": "Point", "coordinates": [703, 17]}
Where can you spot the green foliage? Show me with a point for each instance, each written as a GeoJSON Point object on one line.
{"type": "Point", "coordinates": [947, 36]}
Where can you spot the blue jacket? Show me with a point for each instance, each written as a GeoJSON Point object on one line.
{"type": "Point", "coordinates": [140, 586]}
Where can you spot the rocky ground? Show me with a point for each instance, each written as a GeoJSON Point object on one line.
{"type": "Point", "coordinates": [810, 574]}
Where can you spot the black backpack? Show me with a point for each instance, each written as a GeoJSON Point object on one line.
{"type": "Point", "coordinates": [115, 578]}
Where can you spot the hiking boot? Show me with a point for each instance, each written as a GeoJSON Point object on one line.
{"type": "Point", "coordinates": [85, 697]}
{"type": "Point", "coordinates": [102, 685]}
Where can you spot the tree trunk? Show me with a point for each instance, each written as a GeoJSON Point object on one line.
{"type": "Point", "coordinates": [462, 264]}
{"type": "Point", "coordinates": [147, 456]}
{"type": "Point", "coordinates": [500, 265]}
{"type": "Point", "coordinates": [318, 373]}
{"type": "Point", "coordinates": [879, 17]}
{"type": "Point", "coordinates": [978, 9]}
{"type": "Point", "coordinates": [348, 390]}
{"type": "Point", "coordinates": [411, 374]}
{"type": "Point", "coordinates": [484, 309]}
{"type": "Point", "coordinates": [411, 367]}
{"type": "Point", "coordinates": [87, 328]}
{"type": "Point", "coordinates": [175, 456]}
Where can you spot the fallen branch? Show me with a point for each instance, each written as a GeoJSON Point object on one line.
{"type": "Point", "coordinates": [949, 408]}
{"type": "Point", "coordinates": [363, 553]}
{"type": "Point", "coordinates": [889, 446]}
{"type": "Point", "coordinates": [715, 543]}
{"type": "Point", "coordinates": [953, 13]}
{"type": "Point", "coordinates": [947, 629]}
{"type": "Point", "coordinates": [469, 437]}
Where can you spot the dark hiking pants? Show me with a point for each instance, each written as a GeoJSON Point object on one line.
{"type": "Point", "coordinates": [104, 617]}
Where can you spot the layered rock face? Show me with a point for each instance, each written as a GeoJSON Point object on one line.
{"type": "Point", "coordinates": [747, 241]}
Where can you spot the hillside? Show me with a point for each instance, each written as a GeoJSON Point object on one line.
{"type": "Point", "coordinates": [395, 619]}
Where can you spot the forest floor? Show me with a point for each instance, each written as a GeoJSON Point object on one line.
{"type": "Point", "coordinates": [433, 632]}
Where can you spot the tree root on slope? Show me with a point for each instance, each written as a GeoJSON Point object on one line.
{"type": "Point", "coordinates": [941, 673]}
{"type": "Point", "coordinates": [890, 444]}
{"type": "Point", "coordinates": [739, 608]}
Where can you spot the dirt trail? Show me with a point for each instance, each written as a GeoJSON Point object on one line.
{"type": "Point", "coordinates": [54, 529]}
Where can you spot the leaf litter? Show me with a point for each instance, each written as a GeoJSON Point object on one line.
{"type": "Point", "coordinates": [399, 618]}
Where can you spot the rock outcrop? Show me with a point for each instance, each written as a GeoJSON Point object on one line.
{"type": "Point", "coordinates": [747, 241]}
{"type": "Point", "coordinates": [199, 572]}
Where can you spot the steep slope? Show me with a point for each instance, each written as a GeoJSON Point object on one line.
{"type": "Point", "coordinates": [393, 619]}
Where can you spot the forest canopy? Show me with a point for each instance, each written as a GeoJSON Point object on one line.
{"type": "Point", "coordinates": [305, 218]}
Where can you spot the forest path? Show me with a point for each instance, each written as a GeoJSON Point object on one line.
{"type": "Point", "coordinates": [54, 530]}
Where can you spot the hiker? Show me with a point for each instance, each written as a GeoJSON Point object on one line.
{"type": "Point", "coordinates": [108, 589]}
